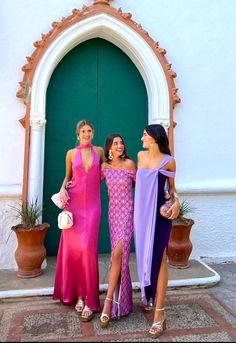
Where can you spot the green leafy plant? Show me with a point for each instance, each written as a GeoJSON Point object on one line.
{"type": "Point", "coordinates": [185, 208]}
{"type": "Point", "coordinates": [29, 213]}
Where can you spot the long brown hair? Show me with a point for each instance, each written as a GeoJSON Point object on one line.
{"type": "Point", "coordinates": [108, 144]}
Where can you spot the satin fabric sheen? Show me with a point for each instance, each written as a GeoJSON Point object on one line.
{"type": "Point", "coordinates": [77, 259]}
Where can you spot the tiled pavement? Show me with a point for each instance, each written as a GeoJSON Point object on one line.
{"type": "Point", "coordinates": [193, 315]}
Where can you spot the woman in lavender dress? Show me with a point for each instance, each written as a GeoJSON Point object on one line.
{"type": "Point", "coordinates": [156, 171]}
{"type": "Point", "coordinates": [119, 173]}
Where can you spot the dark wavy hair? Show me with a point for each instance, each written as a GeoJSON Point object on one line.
{"type": "Point", "coordinates": [158, 132]}
{"type": "Point", "coordinates": [108, 144]}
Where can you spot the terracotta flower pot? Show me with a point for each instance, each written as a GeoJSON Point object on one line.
{"type": "Point", "coordinates": [30, 252]}
{"type": "Point", "coordinates": [180, 246]}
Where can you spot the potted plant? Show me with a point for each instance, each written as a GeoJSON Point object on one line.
{"type": "Point", "coordinates": [180, 246]}
{"type": "Point", "coordinates": [30, 252]}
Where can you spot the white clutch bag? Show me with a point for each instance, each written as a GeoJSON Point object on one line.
{"type": "Point", "coordinates": [56, 199]}
{"type": "Point", "coordinates": [65, 220]}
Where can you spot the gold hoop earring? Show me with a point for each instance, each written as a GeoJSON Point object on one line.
{"type": "Point", "coordinates": [110, 155]}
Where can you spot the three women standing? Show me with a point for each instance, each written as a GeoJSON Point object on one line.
{"type": "Point", "coordinates": [155, 175]}
{"type": "Point", "coordinates": [76, 279]}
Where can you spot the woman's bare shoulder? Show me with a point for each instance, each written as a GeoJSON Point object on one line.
{"type": "Point", "coordinates": [130, 164]}
{"type": "Point", "coordinates": [171, 164]}
{"type": "Point", "coordinates": [141, 154]}
{"type": "Point", "coordinates": [71, 152]}
{"type": "Point", "coordinates": [99, 150]}
{"type": "Point", "coordinates": [104, 165]}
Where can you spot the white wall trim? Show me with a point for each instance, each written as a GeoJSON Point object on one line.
{"type": "Point", "coordinates": [207, 186]}
{"type": "Point", "coordinates": [204, 187]}
{"type": "Point", "coordinates": [121, 35]}
{"type": "Point", "coordinates": [13, 190]}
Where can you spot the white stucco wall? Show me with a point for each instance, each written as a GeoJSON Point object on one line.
{"type": "Point", "coordinates": [199, 37]}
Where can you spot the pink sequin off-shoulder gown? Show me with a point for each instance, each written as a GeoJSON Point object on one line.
{"type": "Point", "coordinates": [120, 218]}
{"type": "Point", "coordinates": [77, 259]}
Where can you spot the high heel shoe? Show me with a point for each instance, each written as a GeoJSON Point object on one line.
{"type": "Point", "coordinates": [79, 306]}
{"type": "Point", "coordinates": [158, 328]}
{"type": "Point", "coordinates": [87, 314]}
{"type": "Point", "coordinates": [148, 308]}
{"type": "Point", "coordinates": [105, 318]}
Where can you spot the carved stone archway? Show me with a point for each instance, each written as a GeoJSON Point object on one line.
{"type": "Point", "coordinates": [103, 21]}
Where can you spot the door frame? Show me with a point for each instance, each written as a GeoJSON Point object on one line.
{"type": "Point", "coordinates": [98, 22]}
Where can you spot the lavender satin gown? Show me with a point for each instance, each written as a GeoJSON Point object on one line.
{"type": "Point", "coordinates": [120, 218]}
{"type": "Point", "coordinates": [77, 259]}
{"type": "Point", "coordinates": [151, 230]}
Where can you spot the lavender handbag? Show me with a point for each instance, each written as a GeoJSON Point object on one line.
{"type": "Point", "coordinates": [165, 207]}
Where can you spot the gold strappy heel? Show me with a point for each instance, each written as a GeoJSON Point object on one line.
{"type": "Point", "coordinates": [105, 318]}
{"type": "Point", "coordinates": [158, 328]}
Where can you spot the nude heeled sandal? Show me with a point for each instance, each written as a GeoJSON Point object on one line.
{"type": "Point", "coordinates": [158, 328]}
{"type": "Point", "coordinates": [87, 314]}
{"type": "Point", "coordinates": [79, 306]}
{"type": "Point", "coordinates": [105, 318]}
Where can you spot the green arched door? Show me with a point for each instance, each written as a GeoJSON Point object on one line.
{"type": "Point", "coordinates": [98, 82]}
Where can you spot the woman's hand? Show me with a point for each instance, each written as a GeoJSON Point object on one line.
{"type": "Point", "coordinates": [64, 197]}
{"type": "Point", "coordinates": [174, 209]}
{"type": "Point", "coordinates": [68, 184]}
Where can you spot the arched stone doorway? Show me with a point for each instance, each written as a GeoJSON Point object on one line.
{"type": "Point", "coordinates": [97, 21]}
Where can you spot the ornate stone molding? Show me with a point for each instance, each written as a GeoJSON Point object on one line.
{"type": "Point", "coordinates": [98, 20]}
{"type": "Point", "coordinates": [78, 15]}
{"type": "Point", "coordinates": [101, 2]}
{"type": "Point", "coordinates": [37, 122]}
{"type": "Point", "coordinates": [165, 123]}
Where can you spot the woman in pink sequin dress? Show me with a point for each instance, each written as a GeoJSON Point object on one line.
{"type": "Point", "coordinates": [119, 173]}
{"type": "Point", "coordinates": [76, 279]}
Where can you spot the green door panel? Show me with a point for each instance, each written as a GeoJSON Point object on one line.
{"type": "Point", "coordinates": [98, 82]}
{"type": "Point", "coordinates": [122, 108]}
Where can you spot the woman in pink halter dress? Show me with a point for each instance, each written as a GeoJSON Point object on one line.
{"type": "Point", "coordinates": [76, 279]}
{"type": "Point", "coordinates": [119, 173]}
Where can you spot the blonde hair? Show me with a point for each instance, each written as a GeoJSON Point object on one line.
{"type": "Point", "coordinates": [82, 123]}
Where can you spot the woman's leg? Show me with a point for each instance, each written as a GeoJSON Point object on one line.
{"type": "Point", "coordinates": [113, 276]}
{"type": "Point", "coordinates": [159, 323]}
{"type": "Point", "coordinates": [162, 283]}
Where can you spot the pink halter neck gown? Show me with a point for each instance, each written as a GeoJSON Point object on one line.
{"type": "Point", "coordinates": [77, 259]}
